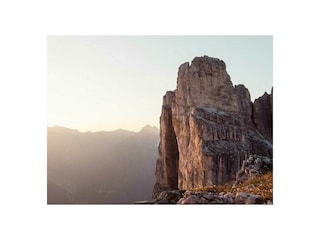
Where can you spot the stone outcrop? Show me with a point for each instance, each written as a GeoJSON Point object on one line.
{"type": "Point", "coordinates": [167, 163]}
{"type": "Point", "coordinates": [252, 167]}
{"type": "Point", "coordinates": [204, 197]}
{"type": "Point", "coordinates": [246, 198]}
{"type": "Point", "coordinates": [263, 114]}
{"type": "Point", "coordinates": [207, 129]}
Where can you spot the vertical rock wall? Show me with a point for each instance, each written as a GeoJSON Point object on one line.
{"type": "Point", "coordinates": [263, 114]}
{"type": "Point", "coordinates": [206, 128]}
{"type": "Point", "coordinates": [167, 163]}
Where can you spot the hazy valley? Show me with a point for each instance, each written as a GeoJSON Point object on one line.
{"type": "Point", "coordinates": [101, 167]}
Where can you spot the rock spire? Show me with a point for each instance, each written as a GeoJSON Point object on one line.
{"type": "Point", "coordinates": [208, 127]}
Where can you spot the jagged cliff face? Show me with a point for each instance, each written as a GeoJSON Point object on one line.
{"type": "Point", "coordinates": [263, 114]}
{"type": "Point", "coordinates": [167, 163]}
{"type": "Point", "coordinates": [206, 128]}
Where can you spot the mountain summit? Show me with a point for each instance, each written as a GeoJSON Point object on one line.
{"type": "Point", "coordinates": [149, 129]}
{"type": "Point", "coordinates": [208, 128]}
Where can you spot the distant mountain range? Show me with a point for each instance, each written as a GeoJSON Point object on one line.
{"type": "Point", "coordinates": [101, 167]}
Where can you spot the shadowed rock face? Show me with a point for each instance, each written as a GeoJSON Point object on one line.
{"type": "Point", "coordinates": [206, 128]}
{"type": "Point", "coordinates": [263, 114]}
{"type": "Point", "coordinates": [167, 163]}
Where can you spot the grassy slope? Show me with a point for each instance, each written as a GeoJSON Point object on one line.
{"type": "Point", "coordinates": [261, 185]}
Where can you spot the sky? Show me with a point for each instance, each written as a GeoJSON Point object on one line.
{"type": "Point", "coordinates": [104, 83]}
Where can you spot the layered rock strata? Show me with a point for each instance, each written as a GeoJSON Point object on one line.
{"type": "Point", "coordinates": [207, 128]}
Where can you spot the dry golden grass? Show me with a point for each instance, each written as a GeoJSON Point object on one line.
{"type": "Point", "coordinates": [261, 185]}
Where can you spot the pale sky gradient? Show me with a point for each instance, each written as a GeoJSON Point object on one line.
{"type": "Point", "coordinates": [110, 82]}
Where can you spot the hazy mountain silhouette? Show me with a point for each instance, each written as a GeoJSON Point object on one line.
{"type": "Point", "coordinates": [101, 167]}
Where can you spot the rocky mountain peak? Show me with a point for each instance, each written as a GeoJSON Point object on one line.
{"type": "Point", "coordinates": [208, 128]}
{"type": "Point", "coordinates": [149, 129]}
{"type": "Point", "coordinates": [263, 114]}
{"type": "Point", "coordinates": [206, 83]}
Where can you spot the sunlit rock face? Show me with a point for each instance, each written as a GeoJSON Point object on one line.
{"type": "Point", "coordinates": [206, 128]}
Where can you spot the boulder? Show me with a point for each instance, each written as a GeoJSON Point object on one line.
{"type": "Point", "coordinates": [192, 199]}
{"type": "Point", "coordinates": [251, 167]}
{"type": "Point", "coordinates": [246, 198]}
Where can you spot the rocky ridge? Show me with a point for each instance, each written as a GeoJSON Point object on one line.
{"type": "Point", "coordinates": [208, 127]}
